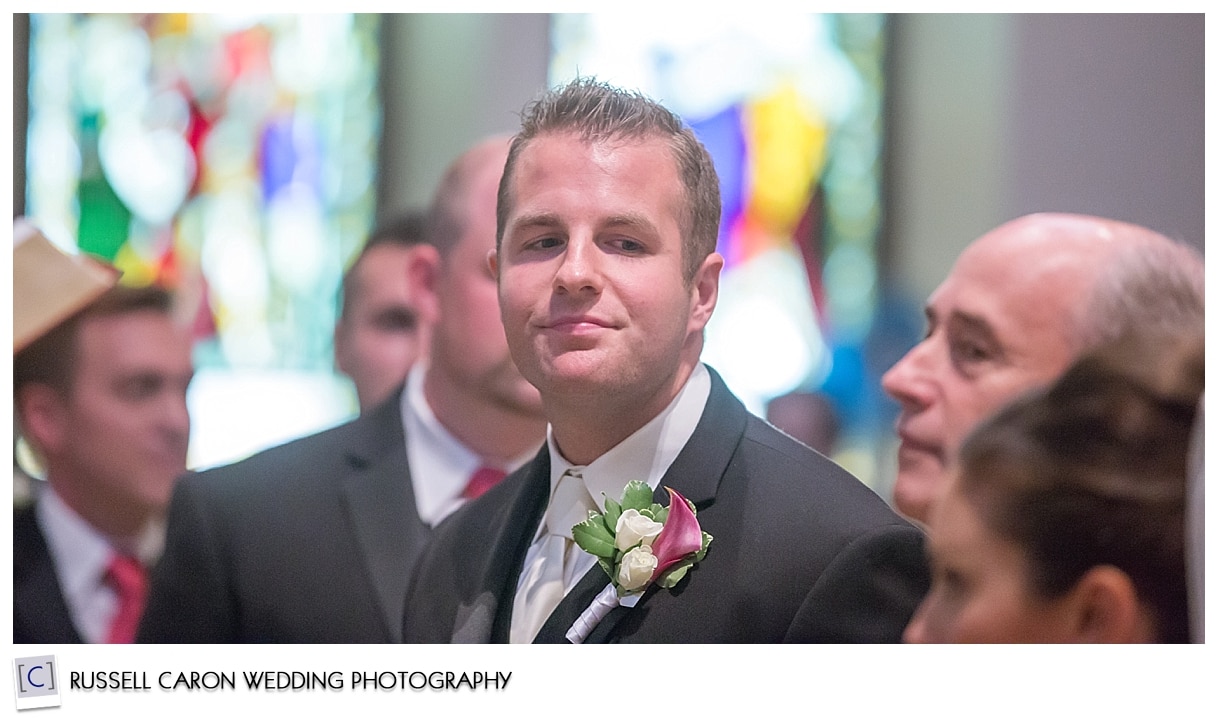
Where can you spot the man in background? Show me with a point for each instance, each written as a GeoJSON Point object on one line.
{"type": "Point", "coordinates": [1020, 304]}
{"type": "Point", "coordinates": [101, 398]}
{"type": "Point", "coordinates": [381, 328]}
{"type": "Point", "coordinates": [314, 541]}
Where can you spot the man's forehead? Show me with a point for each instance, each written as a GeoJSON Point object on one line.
{"type": "Point", "coordinates": [1008, 304]}
{"type": "Point", "coordinates": [386, 262]}
{"type": "Point", "coordinates": [1043, 243]}
{"type": "Point", "coordinates": [115, 335]}
{"type": "Point", "coordinates": [1022, 267]}
{"type": "Point", "coordinates": [1033, 316]}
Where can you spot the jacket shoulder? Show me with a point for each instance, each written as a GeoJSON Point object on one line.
{"type": "Point", "coordinates": [784, 466]}
{"type": "Point", "coordinates": [317, 457]}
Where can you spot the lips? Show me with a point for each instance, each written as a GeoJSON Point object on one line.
{"type": "Point", "coordinates": [576, 324]}
{"type": "Point", "coordinates": [911, 442]}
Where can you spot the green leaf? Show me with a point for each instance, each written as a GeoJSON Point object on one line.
{"type": "Point", "coordinates": [674, 575]}
{"type": "Point", "coordinates": [592, 536]}
{"type": "Point", "coordinates": [659, 513]}
{"type": "Point", "coordinates": [608, 567]}
{"type": "Point", "coordinates": [613, 511]}
{"type": "Point", "coordinates": [621, 592]}
{"type": "Point", "coordinates": [637, 496]}
{"type": "Point", "coordinates": [701, 554]}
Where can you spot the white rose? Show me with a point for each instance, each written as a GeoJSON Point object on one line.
{"type": "Point", "coordinates": [636, 569]}
{"type": "Point", "coordinates": [633, 529]}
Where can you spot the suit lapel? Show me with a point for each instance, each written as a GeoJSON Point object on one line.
{"type": "Point", "coordinates": [380, 509]}
{"type": "Point", "coordinates": [697, 470]}
{"type": "Point", "coordinates": [486, 616]}
{"type": "Point", "coordinates": [40, 614]}
{"type": "Point", "coordinates": [554, 630]}
{"type": "Point", "coordinates": [695, 473]}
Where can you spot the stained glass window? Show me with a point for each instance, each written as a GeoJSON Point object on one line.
{"type": "Point", "coordinates": [231, 157]}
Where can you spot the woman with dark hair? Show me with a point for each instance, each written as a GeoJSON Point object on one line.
{"type": "Point", "coordinates": [1064, 521]}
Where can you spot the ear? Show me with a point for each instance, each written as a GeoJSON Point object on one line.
{"type": "Point", "coordinates": [41, 412]}
{"type": "Point", "coordinates": [492, 263]}
{"type": "Point", "coordinates": [705, 292]}
{"type": "Point", "coordinates": [423, 270]}
{"type": "Point", "coordinates": [1106, 608]}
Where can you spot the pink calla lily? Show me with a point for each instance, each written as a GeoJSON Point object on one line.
{"type": "Point", "coordinates": [681, 535]}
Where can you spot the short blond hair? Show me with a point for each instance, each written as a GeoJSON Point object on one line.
{"type": "Point", "coordinates": [598, 112]}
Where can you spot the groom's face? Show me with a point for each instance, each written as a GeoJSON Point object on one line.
{"type": "Point", "coordinates": [591, 288]}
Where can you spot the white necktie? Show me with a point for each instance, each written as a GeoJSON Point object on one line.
{"type": "Point", "coordinates": [543, 584]}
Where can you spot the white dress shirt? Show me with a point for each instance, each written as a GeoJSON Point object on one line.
{"type": "Point", "coordinates": [440, 465]}
{"type": "Point", "coordinates": [644, 456]}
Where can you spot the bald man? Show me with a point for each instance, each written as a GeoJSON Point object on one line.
{"type": "Point", "coordinates": [1020, 303]}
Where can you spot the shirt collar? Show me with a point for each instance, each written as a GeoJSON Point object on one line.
{"type": "Point", "coordinates": [646, 454]}
{"type": "Point", "coordinates": [81, 553]}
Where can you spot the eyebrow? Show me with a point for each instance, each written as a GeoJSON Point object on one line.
{"type": "Point", "coordinates": [630, 219]}
{"type": "Point", "coordinates": [551, 219]}
{"type": "Point", "coordinates": [142, 374]}
{"type": "Point", "coordinates": [540, 219]}
{"type": "Point", "coordinates": [962, 320]}
{"type": "Point", "coordinates": [396, 311]}
{"type": "Point", "coordinates": [972, 323]}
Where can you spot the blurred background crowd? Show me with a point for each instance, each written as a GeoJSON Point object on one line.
{"type": "Point", "coordinates": [277, 173]}
{"type": "Point", "coordinates": [243, 160]}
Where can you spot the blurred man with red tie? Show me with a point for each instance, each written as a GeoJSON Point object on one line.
{"type": "Point", "coordinates": [314, 541]}
{"type": "Point", "coordinates": [102, 399]}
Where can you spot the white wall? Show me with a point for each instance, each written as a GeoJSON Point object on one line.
{"type": "Point", "coordinates": [995, 116]}
{"type": "Point", "coordinates": [1110, 118]}
{"type": "Point", "coordinates": [948, 152]}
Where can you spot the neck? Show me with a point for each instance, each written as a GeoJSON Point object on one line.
{"type": "Point", "coordinates": [496, 432]}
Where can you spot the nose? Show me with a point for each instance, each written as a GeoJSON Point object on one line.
{"type": "Point", "coordinates": [909, 381]}
{"type": "Point", "coordinates": [580, 268]}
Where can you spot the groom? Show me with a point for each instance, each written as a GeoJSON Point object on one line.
{"type": "Point", "coordinates": [607, 221]}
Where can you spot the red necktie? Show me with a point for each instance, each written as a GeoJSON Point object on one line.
{"type": "Point", "coordinates": [484, 478]}
{"type": "Point", "coordinates": [130, 582]}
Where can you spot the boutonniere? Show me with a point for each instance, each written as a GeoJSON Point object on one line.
{"type": "Point", "coordinates": [638, 543]}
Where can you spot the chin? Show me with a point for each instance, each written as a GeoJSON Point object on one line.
{"type": "Point", "coordinates": [574, 369]}
{"type": "Point", "coordinates": [590, 387]}
{"type": "Point", "coordinates": [914, 493]}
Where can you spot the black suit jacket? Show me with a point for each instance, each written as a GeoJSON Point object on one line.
{"type": "Point", "coordinates": [40, 613]}
{"type": "Point", "coordinates": [802, 551]}
{"type": "Point", "coordinates": [308, 542]}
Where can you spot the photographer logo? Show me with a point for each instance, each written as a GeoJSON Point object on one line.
{"type": "Point", "coordinates": [35, 682]}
